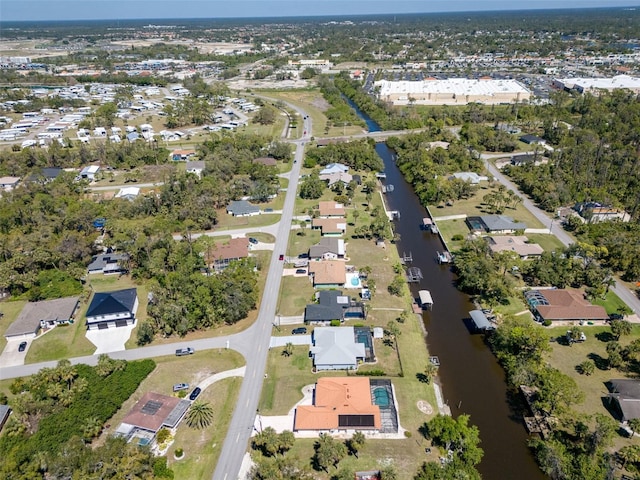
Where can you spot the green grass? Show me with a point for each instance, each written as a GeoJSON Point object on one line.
{"type": "Point", "coordinates": [295, 294]}
{"type": "Point", "coordinates": [549, 243]}
{"type": "Point", "coordinates": [10, 311]}
{"type": "Point", "coordinates": [451, 228]}
{"type": "Point", "coordinates": [611, 303]}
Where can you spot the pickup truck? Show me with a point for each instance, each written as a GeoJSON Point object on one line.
{"type": "Point", "coordinates": [184, 351]}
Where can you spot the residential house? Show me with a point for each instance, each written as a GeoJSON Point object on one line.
{"type": "Point", "coordinates": [334, 168]}
{"type": "Point", "coordinates": [242, 208]}
{"type": "Point", "coordinates": [339, 404]}
{"type": "Point", "coordinates": [196, 167]}
{"type": "Point", "coordinates": [222, 254]}
{"type": "Point", "coordinates": [108, 263]}
{"type": "Point", "coordinates": [112, 309]}
{"type": "Point", "coordinates": [528, 159]}
{"type": "Point", "coordinates": [132, 136]}
{"type": "Point", "coordinates": [518, 244]}
{"type": "Point", "coordinates": [330, 209]}
{"type": "Point", "coordinates": [45, 175]}
{"type": "Point", "coordinates": [470, 177]}
{"type": "Point", "coordinates": [268, 161]}
{"type": "Point", "coordinates": [89, 172]}
{"type": "Point", "coordinates": [333, 305]}
{"type": "Point", "coordinates": [151, 413]}
{"type": "Point", "coordinates": [182, 155]}
{"type": "Point", "coordinates": [594, 212]}
{"type": "Point", "coordinates": [128, 193]}
{"type": "Point", "coordinates": [328, 274]}
{"type": "Point", "coordinates": [335, 227]}
{"type": "Point", "coordinates": [438, 144]}
{"type": "Point", "coordinates": [625, 393]}
{"type": "Point", "coordinates": [42, 314]}
{"type": "Point", "coordinates": [563, 305]}
{"type": "Point", "coordinates": [336, 348]}
{"type": "Point", "coordinates": [9, 183]}
{"type": "Point", "coordinates": [494, 224]}
{"type": "Point", "coordinates": [532, 140]}
{"type": "Point", "coordinates": [333, 178]}
{"type": "Point", "coordinates": [328, 248]}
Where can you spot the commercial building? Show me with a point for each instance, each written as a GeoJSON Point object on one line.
{"type": "Point", "coordinates": [595, 85]}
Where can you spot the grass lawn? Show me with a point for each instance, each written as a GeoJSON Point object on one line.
{"type": "Point", "coordinates": [9, 311]}
{"type": "Point", "coordinates": [611, 303]}
{"type": "Point", "coordinates": [549, 243]}
{"type": "Point", "coordinates": [301, 243]}
{"type": "Point", "coordinates": [450, 228]}
{"type": "Point", "coordinates": [295, 294]}
{"type": "Point", "coordinates": [201, 447]}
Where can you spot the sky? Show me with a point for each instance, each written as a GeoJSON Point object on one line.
{"type": "Point", "coordinates": [30, 10]}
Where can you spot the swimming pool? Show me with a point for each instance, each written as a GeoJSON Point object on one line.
{"type": "Point", "coordinates": [381, 397]}
{"type": "Point", "coordinates": [353, 280]}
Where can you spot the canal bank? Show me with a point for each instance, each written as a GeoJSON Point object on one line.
{"type": "Point", "coordinates": [472, 381]}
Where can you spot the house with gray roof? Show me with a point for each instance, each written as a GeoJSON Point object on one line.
{"type": "Point", "coordinates": [333, 305]}
{"type": "Point", "coordinates": [625, 393]}
{"type": "Point", "coordinates": [334, 168]}
{"type": "Point", "coordinates": [43, 314]}
{"type": "Point", "coordinates": [469, 177]}
{"type": "Point", "coordinates": [242, 208]}
{"type": "Point", "coordinates": [108, 263]}
{"type": "Point", "coordinates": [328, 248]}
{"type": "Point", "coordinates": [494, 224]}
{"type": "Point", "coordinates": [196, 167]}
{"type": "Point", "coordinates": [112, 309]}
{"type": "Point", "coordinates": [335, 348]}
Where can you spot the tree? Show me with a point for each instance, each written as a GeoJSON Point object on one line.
{"type": "Point", "coordinates": [620, 327]}
{"type": "Point", "coordinates": [266, 115]}
{"type": "Point", "coordinates": [430, 372]}
{"type": "Point", "coordinates": [200, 415]}
{"type": "Point", "coordinates": [587, 367]}
{"type": "Point", "coordinates": [312, 187]}
{"type": "Point", "coordinates": [267, 441]}
{"type": "Point", "coordinates": [355, 443]}
{"type": "Point", "coordinates": [286, 440]}
{"type": "Point", "coordinates": [329, 452]}
{"type": "Point", "coordinates": [557, 391]}
{"type": "Point", "coordinates": [392, 331]}
{"type": "Point", "coordinates": [574, 335]}
{"type": "Point", "coordinates": [629, 453]}
{"type": "Point", "coordinates": [288, 349]}
{"type": "Point", "coordinates": [634, 425]}
{"type": "Point", "coordinates": [456, 435]}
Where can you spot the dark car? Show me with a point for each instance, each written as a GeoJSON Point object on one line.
{"type": "Point", "coordinates": [253, 240]}
{"type": "Point", "coordinates": [299, 331]}
{"type": "Point", "coordinates": [22, 346]}
{"type": "Point", "coordinates": [195, 393]}
{"type": "Point", "coordinates": [301, 271]}
{"type": "Point", "coordinates": [281, 257]}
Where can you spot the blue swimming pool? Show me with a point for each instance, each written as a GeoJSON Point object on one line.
{"type": "Point", "coordinates": [381, 397]}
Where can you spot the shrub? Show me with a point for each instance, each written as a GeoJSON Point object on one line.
{"type": "Point", "coordinates": [457, 237]}
{"type": "Point", "coordinates": [179, 452]}
{"type": "Point", "coordinates": [407, 434]}
{"type": "Point", "coordinates": [163, 435]}
{"type": "Point", "coordinates": [371, 373]}
{"type": "Point", "coordinates": [547, 323]}
{"type": "Point", "coordinates": [335, 323]}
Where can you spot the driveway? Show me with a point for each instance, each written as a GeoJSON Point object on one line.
{"type": "Point", "coordinates": [293, 339]}
{"type": "Point", "coordinates": [10, 356]}
{"type": "Point", "coordinates": [110, 340]}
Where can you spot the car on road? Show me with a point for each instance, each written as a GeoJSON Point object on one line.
{"type": "Point", "coordinates": [253, 240]}
{"type": "Point", "coordinates": [180, 386]}
{"type": "Point", "coordinates": [195, 393]}
{"type": "Point", "coordinates": [281, 257]}
{"type": "Point", "coordinates": [299, 331]}
{"type": "Point", "coordinates": [22, 347]}
{"type": "Point", "coordinates": [301, 271]}
{"type": "Point", "coordinates": [185, 351]}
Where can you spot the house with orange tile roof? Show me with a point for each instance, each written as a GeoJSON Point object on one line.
{"type": "Point", "coordinates": [330, 227]}
{"type": "Point", "coordinates": [331, 209]}
{"type": "Point", "coordinates": [182, 155]}
{"type": "Point", "coordinates": [328, 274]}
{"type": "Point", "coordinates": [340, 403]}
{"type": "Point", "coordinates": [222, 254]}
{"type": "Point", "coordinates": [563, 305]}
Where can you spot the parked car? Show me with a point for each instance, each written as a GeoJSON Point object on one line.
{"type": "Point", "coordinates": [299, 331]}
{"type": "Point", "coordinates": [195, 393]}
{"type": "Point", "coordinates": [281, 257]}
{"type": "Point", "coordinates": [253, 240]}
{"type": "Point", "coordinates": [184, 351]}
{"type": "Point", "coordinates": [301, 271]}
{"type": "Point", "coordinates": [303, 255]}
{"type": "Point", "coordinates": [22, 347]}
{"type": "Point", "coordinates": [180, 386]}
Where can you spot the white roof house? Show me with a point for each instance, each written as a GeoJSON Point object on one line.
{"type": "Point", "coordinates": [334, 168]}
{"type": "Point", "coordinates": [89, 172]}
{"type": "Point", "coordinates": [335, 348]}
{"type": "Point", "coordinates": [128, 193]}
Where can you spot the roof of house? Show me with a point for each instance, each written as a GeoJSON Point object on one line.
{"type": "Point", "coordinates": [568, 304]}
{"type": "Point", "coordinates": [333, 178]}
{"type": "Point", "coordinates": [32, 313]}
{"type": "Point", "coordinates": [228, 250]}
{"type": "Point", "coordinates": [627, 392]}
{"type": "Point", "coordinates": [241, 207]}
{"type": "Point", "coordinates": [90, 169]}
{"type": "Point", "coordinates": [46, 173]}
{"type": "Point", "coordinates": [128, 192]}
{"type": "Point", "coordinates": [330, 225]}
{"type": "Point", "coordinates": [269, 161]}
{"type": "Point", "coordinates": [336, 346]}
{"type": "Point", "coordinates": [5, 410]}
{"type": "Point", "coordinates": [183, 152]}
{"type": "Point", "coordinates": [195, 165]}
{"type": "Point", "coordinates": [337, 397]}
{"type": "Point", "coordinates": [331, 208]}
{"type": "Point", "coordinates": [154, 410]}
{"type": "Point", "coordinates": [327, 245]}
{"type": "Point", "coordinates": [514, 243]}
{"type": "Point", "coordinates": [334, 168]}
{"type": "Point", "coordinates": [108, 303]}
{"type": "Point", "coordinates": [9, 180]}
{"type": "Point", "coordinates": [528, 138]}
{"type": "Point", "coordinates": [501, 222]}
{"type": "Point", "coordinates": [471, 177]}
{"type": "Point", "coordinates": [325, 272]}
{"type": "Point", "coordinates": [330, 306]}
{"type": "Point", "coordinates": [106, 260]}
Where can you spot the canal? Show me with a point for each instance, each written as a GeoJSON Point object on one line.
{"type": "Point", "coordinates": [472, 381]}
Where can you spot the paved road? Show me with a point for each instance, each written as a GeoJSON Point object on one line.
{"type": "Point", "coordinates": [117, 187]}
{"type": "Point", "coordinates": [626, 295]}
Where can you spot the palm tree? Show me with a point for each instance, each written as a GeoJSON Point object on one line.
{"type": "Point", "coordinates": [91, 428]}
{"type": "Point", "coordinates": [355, 443]}
{"type": "Point", "coordinates": [200, 415]}
{"type": "Point", "coordinates": [430, 371]}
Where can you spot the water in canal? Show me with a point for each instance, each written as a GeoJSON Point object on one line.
{"type": "Point", "coordinates": [472, 381]}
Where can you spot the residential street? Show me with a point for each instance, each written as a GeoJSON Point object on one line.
{"type": "Point", "coordinates": [626, 295]}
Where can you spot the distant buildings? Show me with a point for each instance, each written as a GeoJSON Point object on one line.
{"type": "Point", "coordinates": [596, 85]}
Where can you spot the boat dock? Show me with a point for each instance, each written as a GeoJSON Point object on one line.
{"type": "Point", "coordinates": [426, 302]}
{"type": "Point", "coordinates": [444, 257]}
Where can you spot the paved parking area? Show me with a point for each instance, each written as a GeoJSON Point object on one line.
{"type": "Point", "coordinates": [110, 339]}
{"type": "Point", "coordinates": [10, 356]}
{"type": "Point", "coordinates": [293, 339]}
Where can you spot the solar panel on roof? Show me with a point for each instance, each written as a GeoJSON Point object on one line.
{"type": "Point", "coordinates": [151, 407]}
{"type": "Point", "coordinates": [356, 421]}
